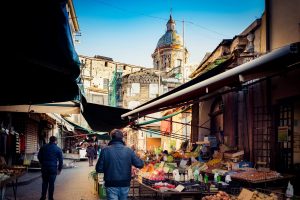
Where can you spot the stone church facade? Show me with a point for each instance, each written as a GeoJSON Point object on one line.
{"type": "Point", "coordinates": [170, 56]}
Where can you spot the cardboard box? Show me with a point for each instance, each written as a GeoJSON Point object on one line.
{"type": "Point", "coordinates": [245, 194]}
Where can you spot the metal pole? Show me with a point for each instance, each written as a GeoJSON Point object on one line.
{"type": "Point", "coordinates": [158, 67]}
{"type": "Point", "coordinates": [183, 54]}
{"type": "Point", "coordinates": [159, 83]}
{"type": "Point", "coordinates": [61, 133]}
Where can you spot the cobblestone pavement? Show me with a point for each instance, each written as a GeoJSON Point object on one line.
{"type": "Point", "coordinates": [71, 184]}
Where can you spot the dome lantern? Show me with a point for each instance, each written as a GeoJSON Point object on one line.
{"type": "Point", "coordinates": [170, 51]}
{"type": "Point", "coordinates": [171, 24]}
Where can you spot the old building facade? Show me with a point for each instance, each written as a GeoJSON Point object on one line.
{"type": "Point", "coordinates": [261, 116]}
{"type": "Point", "coordinates": [98, 75]}
{"type": "Point", "coordinates": [170, 55]}
{"type": "Point", "coordinates": [139, 87]}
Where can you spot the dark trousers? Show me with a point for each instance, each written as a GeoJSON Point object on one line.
{"type": "Point", "coordinates": [48, 184]}
{"type": "Point", "coordinates": [91, 159]}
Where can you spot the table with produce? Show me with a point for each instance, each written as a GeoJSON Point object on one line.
{"type": "Point", "coordinates": [180, 173]}
{"type": "Point", "coordinates": [10, 175]}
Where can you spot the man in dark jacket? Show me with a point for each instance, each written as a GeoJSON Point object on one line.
{"type": "Point", "coordinates": [48, 156]}
{"type": "Point", "coordinates": [91, 153]}
{"type": "Point", "coordinates": [115, 162]}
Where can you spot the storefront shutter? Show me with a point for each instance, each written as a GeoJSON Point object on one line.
{"type": "Point", "coordinates": [31, 137]}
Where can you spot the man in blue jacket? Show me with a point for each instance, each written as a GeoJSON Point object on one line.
{"type": "Point", "coordinates": [115, 162]}
{"type": "Point", "coordinates": [49, 155]}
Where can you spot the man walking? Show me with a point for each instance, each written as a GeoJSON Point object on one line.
{"type": "Point", "coordinates": [91, 153]}
{"type": "Point", "coordinates": [115, 162]}
{"type": "Point", "coordinates": [49, 155]}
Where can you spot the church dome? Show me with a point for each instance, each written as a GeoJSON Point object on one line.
{"type": "Point", "coordinates": [171, 37]}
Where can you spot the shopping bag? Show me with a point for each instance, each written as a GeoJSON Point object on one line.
{"type": "Point", "coordinates": [102, 192]}
{"type": "Point", "coordinates": [27, 160]}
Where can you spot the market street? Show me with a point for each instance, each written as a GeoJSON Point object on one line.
{"type": "Point", "coordinates": [178, 100]}
{"type": "Point", "coordinates": [71, 184]}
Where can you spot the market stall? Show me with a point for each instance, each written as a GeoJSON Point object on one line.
{"type": "Point", "coordinates": [191, 173]}
{"type": "Point", "coordinates": [10, 175]}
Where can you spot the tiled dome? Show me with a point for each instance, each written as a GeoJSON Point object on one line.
{"type": "Point", "coordinates": [170, 37]}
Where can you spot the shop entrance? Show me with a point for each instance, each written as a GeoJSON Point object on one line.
{"type": "Point", "coordinates": [262, 130]}
{"type": "Point", "coordinates": [216, 119]}
{"type": "Point", "coordinates": [288, 135]}
{"type": "Point", "coordinates": [285, 135]}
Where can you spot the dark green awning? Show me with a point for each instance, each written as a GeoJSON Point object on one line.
{"type": "Point", "coordinates": [39, 62]}
{"type": "Point", "coordinates": [103, 118]}
{"type": "Point", "coordinates": [89, 132]}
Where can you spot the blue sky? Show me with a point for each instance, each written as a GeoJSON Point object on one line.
{"type": "Point", "coordinates": [128, 31]}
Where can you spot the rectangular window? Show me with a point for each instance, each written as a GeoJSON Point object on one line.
{"type": "Point", "coordinates": [86, 72]}
{"type": "Point", "coordinates": [105, 83]}
{"type": "Point", "coordinates": [135, 89]}
{"type": "Point", "coordinates": [178, 62]}
{"type": "Point", "coordinates": [153, 90]}
{"type": "Point", "coordinates": [128, 92]}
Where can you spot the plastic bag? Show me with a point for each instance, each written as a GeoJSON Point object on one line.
{"type": "Point", "coordinates": [290, 190]}
{"type": "Point", "coordinates": [102, 192]}
{"type": "Point", "coordinates": [227, 178]}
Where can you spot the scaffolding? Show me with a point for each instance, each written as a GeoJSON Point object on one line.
{"type": "Point", "coordinates": [115, 89]}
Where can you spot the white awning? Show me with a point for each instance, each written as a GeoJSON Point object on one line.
{"type": "Point", "coordinates": [61, 120]}
{"type": "Point", "coordinates": [59, 108]}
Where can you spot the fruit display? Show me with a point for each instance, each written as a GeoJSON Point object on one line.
{"type": "Point", "coordinates": [187, 154]}
{"type": "Point", "coordinates": [170, 158]}
{"type": "Point", "coordinates": [256, 175]}
{"type": "Point", "coordinates": [157, 175]}
{"type": "Point", "coordinates": [175, 168]}
{"type": "Point", "coordinates": [258, 196]}
{"type": "Point", "coordinates": [176, 154]}
{"type": "Point", "coordinates": [18, 167]}
{"type": "Point", "coordinates": [169, 168]}
{"type": "Point", "coordinates": [214, 162]}
{"type": "Point", "coordinates": [163, 185]}
{"type": "Point", "coordinates": [3, 177]}
{"type": "Point", "coordinates": [148, 168]}
{"type": "Point", "coordinates": [10, 172]}
{"type": "Point", "coordinates": [219, 196]}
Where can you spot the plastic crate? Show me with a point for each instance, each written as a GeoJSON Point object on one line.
{"type": "Point", "coordinates": [149, 182]}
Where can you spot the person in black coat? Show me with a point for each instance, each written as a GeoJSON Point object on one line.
{"type": "Point", "coordinates": [51, 160]}
{"type": "Point", "coordinates": [116, 161]}
{"type": "Point", "coordinates": [91, 154]}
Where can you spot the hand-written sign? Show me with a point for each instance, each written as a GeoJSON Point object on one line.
{"type": "Point", "coordinates": [283, 133]}
{"type": "Point", "coordinates": [179, 188]}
